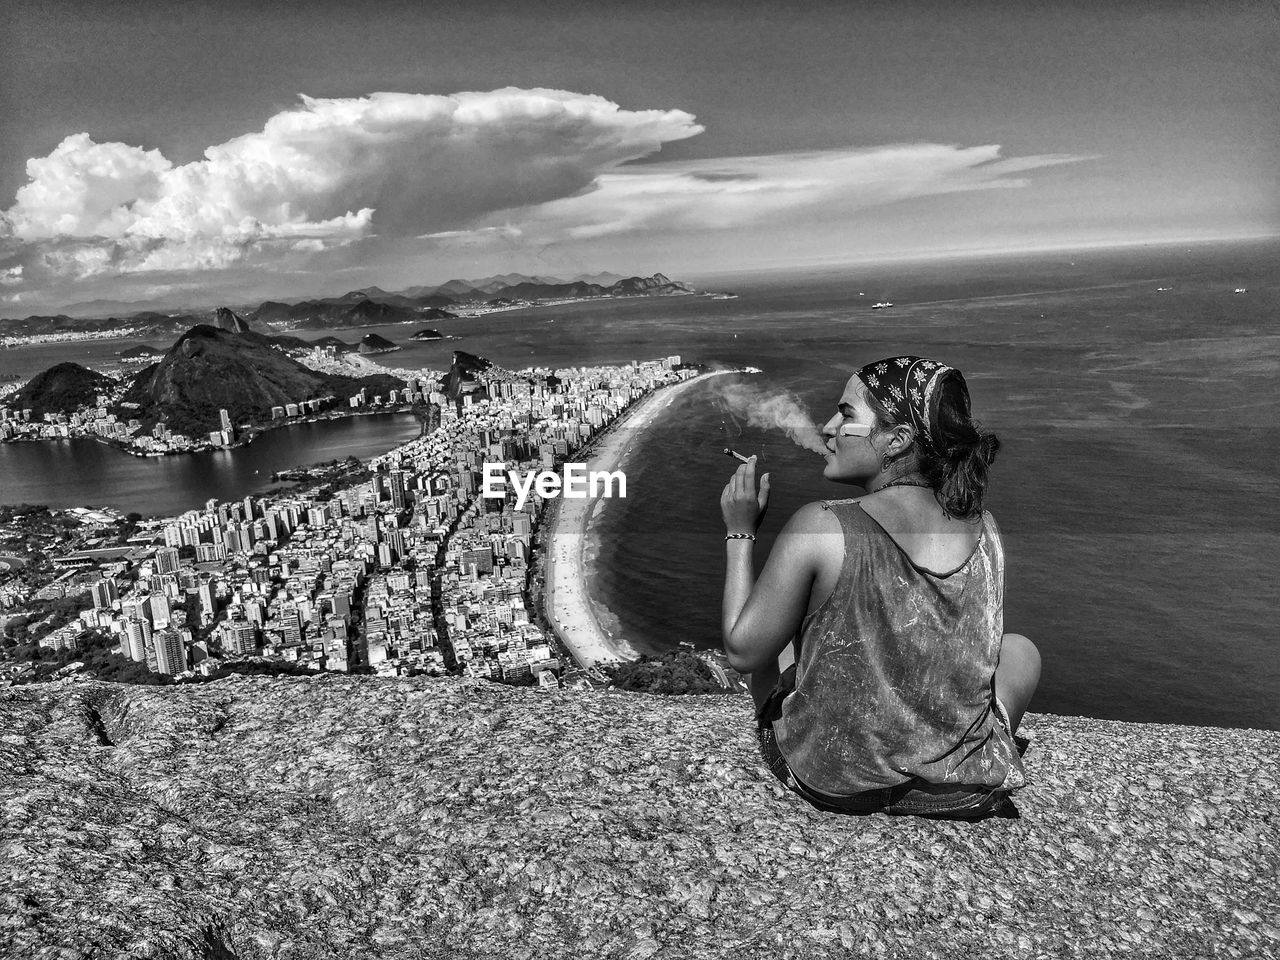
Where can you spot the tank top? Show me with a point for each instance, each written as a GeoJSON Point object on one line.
{"type": "Point", "coordinates": [896, 674]}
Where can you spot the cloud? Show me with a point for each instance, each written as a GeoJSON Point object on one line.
{"type": "Point", "coordinates": [336, 182]}
{"type": "Point", "coordinates": [729, 193]}
{"type": "Point", "coordinates": [480, 237]}
{"type": "Point", "coordinates": [328, 173]}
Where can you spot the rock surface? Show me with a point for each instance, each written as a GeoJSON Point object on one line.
{"type": "Point", "coordinates": [340, 816]}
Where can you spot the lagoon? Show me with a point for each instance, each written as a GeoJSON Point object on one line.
{"type": "Point", "coordinates": [84, 472]}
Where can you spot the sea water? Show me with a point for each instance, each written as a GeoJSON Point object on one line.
{"type": "Point", "coordinates": [1135, 487]}
{"type": "Point", "coordinates": [1135, 393]}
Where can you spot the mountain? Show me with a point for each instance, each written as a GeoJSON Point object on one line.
{"type": "Point", "coordinates": [658, 284]}
{"type": "Point", "coordinates": [602, 279]}
{"type": "Point", "coordinates": [348, 310]}
{"type": "Point", "coordinates": [532, 290]}
{"type": "Point", "coordinates": [498, 283]}
{"type": "Point", "coordinates": [367, 313]}
{"type": "Point", "coordinates": [209, 369]}
{"type": "Point", "coordinates": [369, 306]}
{"type": "Point", "coordinates": [462, 375]}
{"type": "Point", "coordinates": [122, 308]}
{"type": "Point", "coordinates": [64, 388]}
{"type": "Point", "coordinates": [146, 325]}
{"type": "Point", "coordinates": [488, 287]}
{"type": "Point", "coordinates": [227, 319]}
{"type": "Point", "coordinates": [465, 289]}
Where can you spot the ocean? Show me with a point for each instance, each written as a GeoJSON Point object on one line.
{"type": "Point", "coordinates": [1136, 397]}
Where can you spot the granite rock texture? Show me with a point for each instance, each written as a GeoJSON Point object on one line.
{"type": "Point", "coordinates": [337, 816]}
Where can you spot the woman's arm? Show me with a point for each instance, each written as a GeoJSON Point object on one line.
{"type": "Point", "coordinates": [760, 618]}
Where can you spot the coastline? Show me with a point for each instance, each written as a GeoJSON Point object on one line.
{"type": "Point", "coordinates": [249, 435]}
{"type": "Point", "coordinates": [567, 603]}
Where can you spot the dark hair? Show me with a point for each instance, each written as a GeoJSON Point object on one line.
{"type": "Point", "coordinates": [955, 464]}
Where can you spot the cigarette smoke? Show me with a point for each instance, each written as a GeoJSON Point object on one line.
{"type": "Point", "coordinates": [781, 411]}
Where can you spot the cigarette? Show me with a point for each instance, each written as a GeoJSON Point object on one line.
{"type": "Point", "coordinates": [735, 453]}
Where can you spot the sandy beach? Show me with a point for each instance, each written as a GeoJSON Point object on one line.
{"type": "Point", "coordinates": [568, 605]}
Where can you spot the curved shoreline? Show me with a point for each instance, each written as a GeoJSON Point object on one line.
{"type": "Point", "coordinates": [568, 603]}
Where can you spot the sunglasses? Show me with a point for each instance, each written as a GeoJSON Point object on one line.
{"type": "Point", "coordinates": [855, 430]}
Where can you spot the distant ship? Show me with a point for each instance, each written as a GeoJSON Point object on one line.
{"type": "Point", "coordinates": [724, 296]}
{"type": "Point", "coordinates": [881, 305]}
{"type": "Point", "coordinates": [1242, 290]}
{"type": "Point", "coordinates": [1162, 289]}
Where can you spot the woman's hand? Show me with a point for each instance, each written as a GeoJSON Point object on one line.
{"type": "Point", "coordinates": [742, 506]}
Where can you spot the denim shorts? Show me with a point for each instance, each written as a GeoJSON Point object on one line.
{"type": "Point", "coordinates": [915, 797]}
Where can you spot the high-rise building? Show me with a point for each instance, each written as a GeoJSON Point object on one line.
{"type": "Point", "coordinates": [208, 600]}
{"type": "Point", "coordinates": [239, 637]}
{"type": "Point", "coordinates": [137, 637]}
{"type": "Point", "coordinates": [225, 419]}
{"type": "Point", "coordinates": [395, 539]}
{"type": "Point", "coordinates": [290, 625]}
{"type": "Point", "coordinates": [396, 481]}
{"type": "Point", "coordinates": [171, 654]}
{"type": "Point", "coordinates": [158, 607]}
{"type": "Point", "coordinates": [104, 593]}
{"type": "Point", "coordinates": [167, 560]}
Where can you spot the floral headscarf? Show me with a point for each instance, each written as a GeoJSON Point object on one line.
{"type": "Point", "coordinates": [910, 382]}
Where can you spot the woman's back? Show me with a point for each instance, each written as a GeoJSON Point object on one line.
{"type": "Point", "coordinates": [894, 677]}
{"type": "Point", "coordinates": [912, 518]}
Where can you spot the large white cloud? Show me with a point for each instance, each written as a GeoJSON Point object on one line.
{"type": "Point", "coordinates": [327, 173]}
{"type": "Point", "coordinates": [499, 169]}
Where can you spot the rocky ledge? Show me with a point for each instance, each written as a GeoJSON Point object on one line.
{"type": "Point", "coordinates": [339, 816]}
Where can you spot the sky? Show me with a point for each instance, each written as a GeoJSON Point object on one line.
{"type": "Point", "coordinates": [200, 152]}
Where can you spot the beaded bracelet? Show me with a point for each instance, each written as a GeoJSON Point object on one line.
{"type": "Point", "coordinates": [740, 536]}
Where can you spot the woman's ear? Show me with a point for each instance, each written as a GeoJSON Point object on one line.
{"type": "Point", "coordinates": [904, 435]}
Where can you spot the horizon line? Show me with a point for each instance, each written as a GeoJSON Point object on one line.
{"type": "Point", "coordinates": [960, 253]}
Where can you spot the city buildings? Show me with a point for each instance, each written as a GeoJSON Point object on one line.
{"type": "Point", "coordinates": [406, 570]}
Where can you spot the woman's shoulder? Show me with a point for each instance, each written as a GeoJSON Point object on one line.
{"type": "Point", "coordinates": [819, 516]}
{"type": "Point", "coordinates": [989, 523]}
{"type": "Point", "coordinates": [843, 502]}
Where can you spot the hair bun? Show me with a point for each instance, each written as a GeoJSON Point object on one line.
{"type": "Point", "coordinates": [982, 445]}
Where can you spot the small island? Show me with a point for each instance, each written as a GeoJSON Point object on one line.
{"type": "Point", "coordinates": [142, 353]}
{"type": "Point", "coordinates": [372, 343]}
{"type": "Point", "coordinates": [427, 334]}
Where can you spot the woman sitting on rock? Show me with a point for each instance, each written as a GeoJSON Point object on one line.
{"type": "Point", "coordinates": [904, 691]}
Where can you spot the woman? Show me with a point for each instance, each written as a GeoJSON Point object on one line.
{"type": "Point", "coordinates": [905, 691]}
